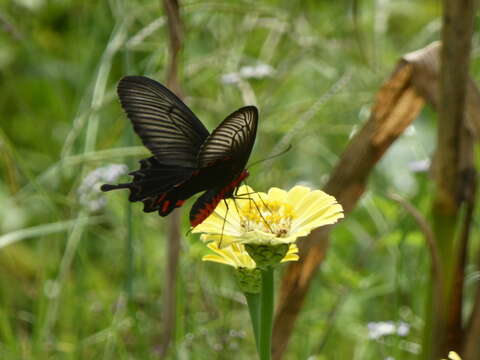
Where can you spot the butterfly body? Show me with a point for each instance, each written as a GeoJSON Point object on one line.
{"type": "Point", "coordinates": [186, 158]}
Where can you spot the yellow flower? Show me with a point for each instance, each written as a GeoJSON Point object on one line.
{"type": "Point", "coordinates": [274, 218]}
{"type": "Point", "coordinates": [452, 355]}
{"type": "Point", "coordinates": [236, 256]}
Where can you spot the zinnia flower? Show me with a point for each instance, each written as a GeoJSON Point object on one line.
{"type": "Point", "coordinates": [274, 218]}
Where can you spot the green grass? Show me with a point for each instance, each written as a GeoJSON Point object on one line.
{"type": "Point", "coordinates": [72, 286]}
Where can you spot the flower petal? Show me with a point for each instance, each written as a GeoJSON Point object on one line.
{"type": "Point", "coordinates": [290, 257]}
{"type": "Point", "coordinates": [217, 259]}
{"type": "Point", "coordinates": [276, 194]}
{"type": "Point", "coordinates": [234, 255]}
{"type": "Point", "coordinates": [319, 217]}
{"type": "Point", "coordinates": [319, 207]}
{"type": "Point", "coordinates": [296, 196]}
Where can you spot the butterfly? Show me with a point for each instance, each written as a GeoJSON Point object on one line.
{"type": "Point", "coordinates": [186, 159]}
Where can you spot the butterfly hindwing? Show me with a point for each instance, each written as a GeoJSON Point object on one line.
{"type": "Point", "coordinates": [204, 206]}
{"type": "Point", "coordinates": [167, 127]}
{"type": "Point", "coordinates": [154, 178]}
{"type": "Point", "coordinates": [165, 203]}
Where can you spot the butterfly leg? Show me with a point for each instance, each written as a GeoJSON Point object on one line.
{"type": "Point", "coordinates": [261, 215]}
{"type": "Point", "coordinates": [223, 225]}
{"type": "Point", "coordinates": [239, 196]}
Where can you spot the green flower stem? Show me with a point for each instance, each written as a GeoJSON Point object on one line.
{"type": "Point", "coordinates": [266, 314]}
{"type": "Point", "coordinates": [253, 301]}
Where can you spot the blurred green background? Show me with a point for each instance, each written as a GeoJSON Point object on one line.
{"type": "Point", "coordinates": [81, 274]}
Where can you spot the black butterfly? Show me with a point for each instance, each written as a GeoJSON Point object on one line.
{"type": "Point", "coordinates": [186, 158]}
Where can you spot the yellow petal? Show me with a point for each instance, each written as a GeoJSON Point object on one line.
{"type": "Point", "coordinates": [296, 196]}
{"type": "Point", "coordinates": [276, 194]}
{"type": "Point", "coordinates": [321, 217]}
{"type": "Point", "coordinates": [217, 222]}
{"type": "Point", "coordinates": [216, 258]}
{"type": "Point", "coordinates": [454, 356]}
{"type": "Point", "coordinates": [234, 255]}
{"type": "Point", "coordinates": [315, 200]}
{"type": "Point", "coordinates": [317, 205]}
{"type": "Point", "coordinates": [293, 249]}
{"type": "Point", "coordinates": [290, 257]}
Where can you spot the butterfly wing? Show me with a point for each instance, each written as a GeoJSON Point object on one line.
{"type": "Point", "coordinates": [232, 141]}
{"type": "Point", "coordinates": [224, 155]}
{"type": "Point", "coordinates": [170, 130]}
{"type": "Point", "coordinates": [204, 206]}
{"type": "Point", "coordinates": [153, 180]}
{"type": "Point", "coordinates": [166, 202]}
{"type": "Point", "coordinates": [167, 127]}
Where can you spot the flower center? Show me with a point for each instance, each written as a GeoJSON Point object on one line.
{"type": "Point", "coordinates": [269, 216]}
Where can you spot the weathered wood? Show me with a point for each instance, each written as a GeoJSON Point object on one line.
{"type": "Point", "coordinates": [457, 32]}
{"type": "Point", "coordinates": [454, 178]}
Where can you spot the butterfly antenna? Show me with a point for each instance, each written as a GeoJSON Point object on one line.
{"type": "Point", "coordinates": [271, 157]}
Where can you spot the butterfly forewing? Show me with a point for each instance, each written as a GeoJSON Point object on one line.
{"type": "Point", "coordinates": [232, 140]}
{"type": "Point", "coordinates": [167, 127]}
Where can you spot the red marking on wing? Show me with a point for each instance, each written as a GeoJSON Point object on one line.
{"type": "Point", "coordinates": [160, 198]}
{"type": "Point", "coordinates": [205, 212]}
{"type": "Point", "coordinates": [179, 203]}
{"type": "Point", "coordinates": [243, 175]}
{"type": "Point", "coordinates": [165, 206]}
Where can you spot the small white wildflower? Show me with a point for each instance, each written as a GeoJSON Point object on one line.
{"type": "Point", "coordinates": [231, 78]}
{"type": "Point", "coordinates": [410, 130]}
{"type": "Point", "coordinates": [403, 329]}
{"type": "Point", "coordinates": [257, 72]}
{"type": "Point", "coordinates": [419, 166]}
{"type": "Point", "coordinates": [51, 289]}
{"type": "Point", "coordinates": [379, 329]}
